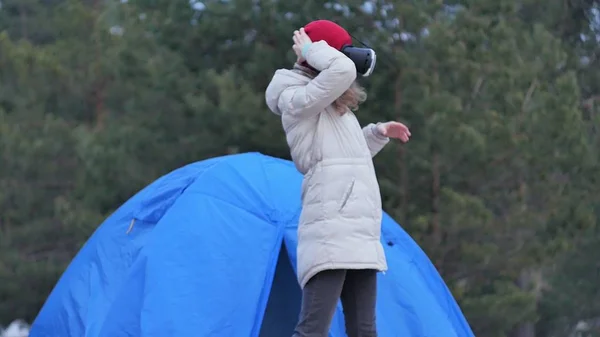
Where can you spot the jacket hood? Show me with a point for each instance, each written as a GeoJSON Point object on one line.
{"type": "Point", "coordinates": [283, 79]}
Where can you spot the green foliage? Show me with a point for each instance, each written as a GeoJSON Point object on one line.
{"type": "Point", "coordinates": [498, 185]}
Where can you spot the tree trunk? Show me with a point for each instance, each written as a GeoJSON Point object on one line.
{"type": "Point", "coordinates": [526, 329]}
{"type": "Point", "coordinates": [100, 112]}
{"type": "Point", "coordinates": [401, 155]}
{"type": "Point", "coordinates": [436, 232]}
{"type": "Point", "coordinates": [524, 282]}
{"type": "Point", "coordinates": [99, 85]}
{"type": "Point", "coordinates": [23, 21]}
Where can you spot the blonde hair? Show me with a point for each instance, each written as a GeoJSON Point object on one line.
{"type": "Point", "coordinates": [351, 98]}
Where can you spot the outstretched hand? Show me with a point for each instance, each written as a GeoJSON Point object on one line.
{"type": "Point", "coordinates": [394, 130]}
{"type": "Point", "coordinates": [301, 39]}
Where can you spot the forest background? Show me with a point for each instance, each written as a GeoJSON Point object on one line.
{"type": "Point", "coordinates": [499, 184]}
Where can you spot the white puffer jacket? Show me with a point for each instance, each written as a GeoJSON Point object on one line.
{"type": "Point", "coordinates": [340, 223]}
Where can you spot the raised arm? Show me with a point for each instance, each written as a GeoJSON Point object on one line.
{"type": "Point", "coordinates": [377, 135]}
{"type": "Point", "coordinates": [336, 73]}
{"type": "Point", "coordinates": [375, 139]}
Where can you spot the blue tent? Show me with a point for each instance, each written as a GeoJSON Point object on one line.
{"type": "Point", "coordinates": [209, 250]}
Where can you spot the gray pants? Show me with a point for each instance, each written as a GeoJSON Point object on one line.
{"type": "Point", "coordinates": [358, 292]}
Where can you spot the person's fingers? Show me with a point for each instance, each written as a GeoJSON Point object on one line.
{"type": "Point", "coordinates": [303, 34]}
{"type": "Point", "coordinates": [406, 128]}
{"type": "Point", "coordinates": [402, 127]}
{"type": "Point", "coordinates": [399, 134]}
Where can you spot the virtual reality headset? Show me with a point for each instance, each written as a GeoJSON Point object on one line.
{"type": "Point", "coordinates": [363, 58]}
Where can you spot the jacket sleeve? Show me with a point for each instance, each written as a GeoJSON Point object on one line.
{"type": "Point", "coordinates": [375, 140]}
{"type": "Point", "coordinates": [336, 74]}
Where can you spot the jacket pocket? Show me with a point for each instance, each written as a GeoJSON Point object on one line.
{"type": "Point", "coordinates": [347, 194]}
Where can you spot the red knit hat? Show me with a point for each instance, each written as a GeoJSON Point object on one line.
{"type": "Point", "coordinates": [329, 31]}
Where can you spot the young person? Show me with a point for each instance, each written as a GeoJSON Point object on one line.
{"type": "Point", "coordinates": [339, 248]}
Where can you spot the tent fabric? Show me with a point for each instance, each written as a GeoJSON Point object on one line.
{"type": "Point", "coordinates": [210, 250]}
